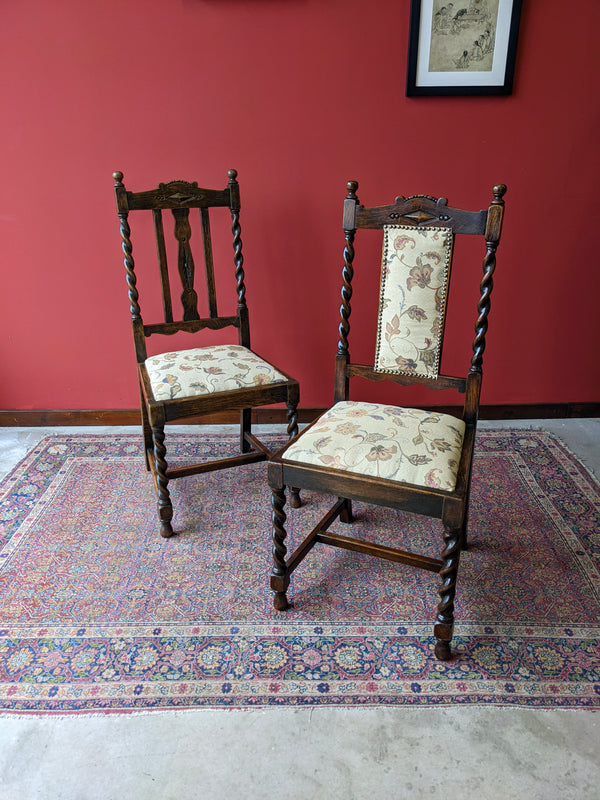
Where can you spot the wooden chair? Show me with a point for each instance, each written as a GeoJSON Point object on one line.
{"type": "Point", "coordinates": [404, 458]}
{"type": "Point", "coordinates": [182, 384]}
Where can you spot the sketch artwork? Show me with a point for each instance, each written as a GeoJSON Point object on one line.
{"type": "Point", "coordinates": [463, 35]}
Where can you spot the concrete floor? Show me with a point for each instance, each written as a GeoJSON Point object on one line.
{"type": "Point", "coordinates": [306, 754]}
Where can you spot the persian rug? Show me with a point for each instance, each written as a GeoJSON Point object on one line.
{"type": "Point", "coordinates": [99, 614]}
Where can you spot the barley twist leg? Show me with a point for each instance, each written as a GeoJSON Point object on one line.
{"type": "Point", "coordinates": [165, 507]}
{"type": "Point", "coordinates": [444, 623]}
{"type": "Point", "coordinates": [280, 578]}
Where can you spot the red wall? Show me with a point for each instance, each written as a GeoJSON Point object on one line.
{"type": "Point", "coordinates": [299, 96]}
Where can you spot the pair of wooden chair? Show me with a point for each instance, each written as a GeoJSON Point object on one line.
{"type": "Point", "coordinates": [405, 458]}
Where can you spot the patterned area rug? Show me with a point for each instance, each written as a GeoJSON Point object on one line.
{"type": "Point", "coordinates": [98, 613]}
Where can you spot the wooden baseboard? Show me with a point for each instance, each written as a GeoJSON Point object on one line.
{"type": "Point", "coordinates": [131, 416]}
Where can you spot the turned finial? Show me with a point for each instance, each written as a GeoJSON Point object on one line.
{"type": "Point", "coordinates": [118, 176]}
{"type": "Point", "coordinates": [499, 191]}
{"type": "Point", "coordinates": [232, 175]}
{"type": "Point", "coordinates": [352, 186]}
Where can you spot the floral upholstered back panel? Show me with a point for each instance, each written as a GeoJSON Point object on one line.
{"type": "Point", "coordinates": [415, 270]}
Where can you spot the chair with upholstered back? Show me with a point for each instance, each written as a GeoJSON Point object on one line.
{"type": "Point", "coordinates": [178, 385]}
{"type": "Point", "coordinates": [412, 459]}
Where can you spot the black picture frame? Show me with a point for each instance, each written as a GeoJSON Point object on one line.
{"type": "Point", "coordinates": [486, 31]}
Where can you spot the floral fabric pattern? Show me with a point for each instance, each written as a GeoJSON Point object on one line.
{"type": "Point", "coordinates": [399, 444]}
{"type": "Point", "coordinates": [415, 269]}
{"type": "Point", "coordinates": [204, 370]}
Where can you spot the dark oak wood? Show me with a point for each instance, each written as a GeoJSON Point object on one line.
{"type": "Point", "coordinates": [451, 507]}
{"type": "Point", "coordinates": [19, 418]}
{"type": "Point", "coordinates": [442, 382]}
{"type": "Point", "coordinates": [189, 207]}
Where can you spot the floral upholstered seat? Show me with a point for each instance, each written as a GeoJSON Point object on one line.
{"type": "Point", "coordinates": [205, 370]}
{"type": "Point", "coordinates": [398, 444]}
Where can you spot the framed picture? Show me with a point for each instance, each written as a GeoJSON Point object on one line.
{"type": "Point", "coordinates": [465, 47]}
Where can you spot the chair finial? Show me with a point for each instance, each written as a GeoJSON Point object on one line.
{"type": "Point", "coordinates": [232, 175]}
{"type": "Point", "coordinates": [499, 191]}
{"type": "Point", "coordinates": [352, 186]}
{"type": "Point", "coordinates": [118, 176]}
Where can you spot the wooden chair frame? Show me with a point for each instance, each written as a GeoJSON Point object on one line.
{"type": "Point", "coordinates": [449, 506]}
{"type": "Point", "coordinates": [180, 197]}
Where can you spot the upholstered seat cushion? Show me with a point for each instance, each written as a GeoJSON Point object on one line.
{"type": "Point", "coordinates": [204, 370]}
{"type": "Point", "coordinates": [398, 444]}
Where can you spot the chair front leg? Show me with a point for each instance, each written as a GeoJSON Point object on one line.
{"type": "Point", "coordinates": [165, 507]}
{"type": "Point", "coordinates": [280, 578]}
{"type": "Point", "coordinates": [444, 624]}
{"type": "Point", "coordinates": [292, 430]}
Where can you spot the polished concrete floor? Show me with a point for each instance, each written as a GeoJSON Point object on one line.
{"type": "Point", "coordinates": [306, 754]}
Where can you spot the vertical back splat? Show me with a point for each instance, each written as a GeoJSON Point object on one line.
{"type": "Point", "coordinates": [185, 263]}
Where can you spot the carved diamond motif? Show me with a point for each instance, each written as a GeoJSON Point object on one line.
{"type": "Point", "coordinates": [181, 198]}
{"type": "Point", "coordinates": [420, 216]}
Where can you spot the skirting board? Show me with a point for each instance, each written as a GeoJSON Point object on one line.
{"type": "Point", "coordinates": [131, 416]}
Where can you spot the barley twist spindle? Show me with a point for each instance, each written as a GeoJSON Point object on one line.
{"type": "Point", "coordinates": [238, 258]}
{"type": "Point", "coordinates": [350, 204]}
{"type": "Point", "coordinates": [492, 237]}
{"type": "Point", "coordinates": [127, 248]}
{"type": "Point", "coordinates": [483, 307]}
{"type": "Point", "coordinates": [345, 308]}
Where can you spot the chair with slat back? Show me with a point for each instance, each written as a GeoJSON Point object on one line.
{"type": "Point", "coordinates": [411, 459]}
{"type": "Point", "coordinates": [204, 380]}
